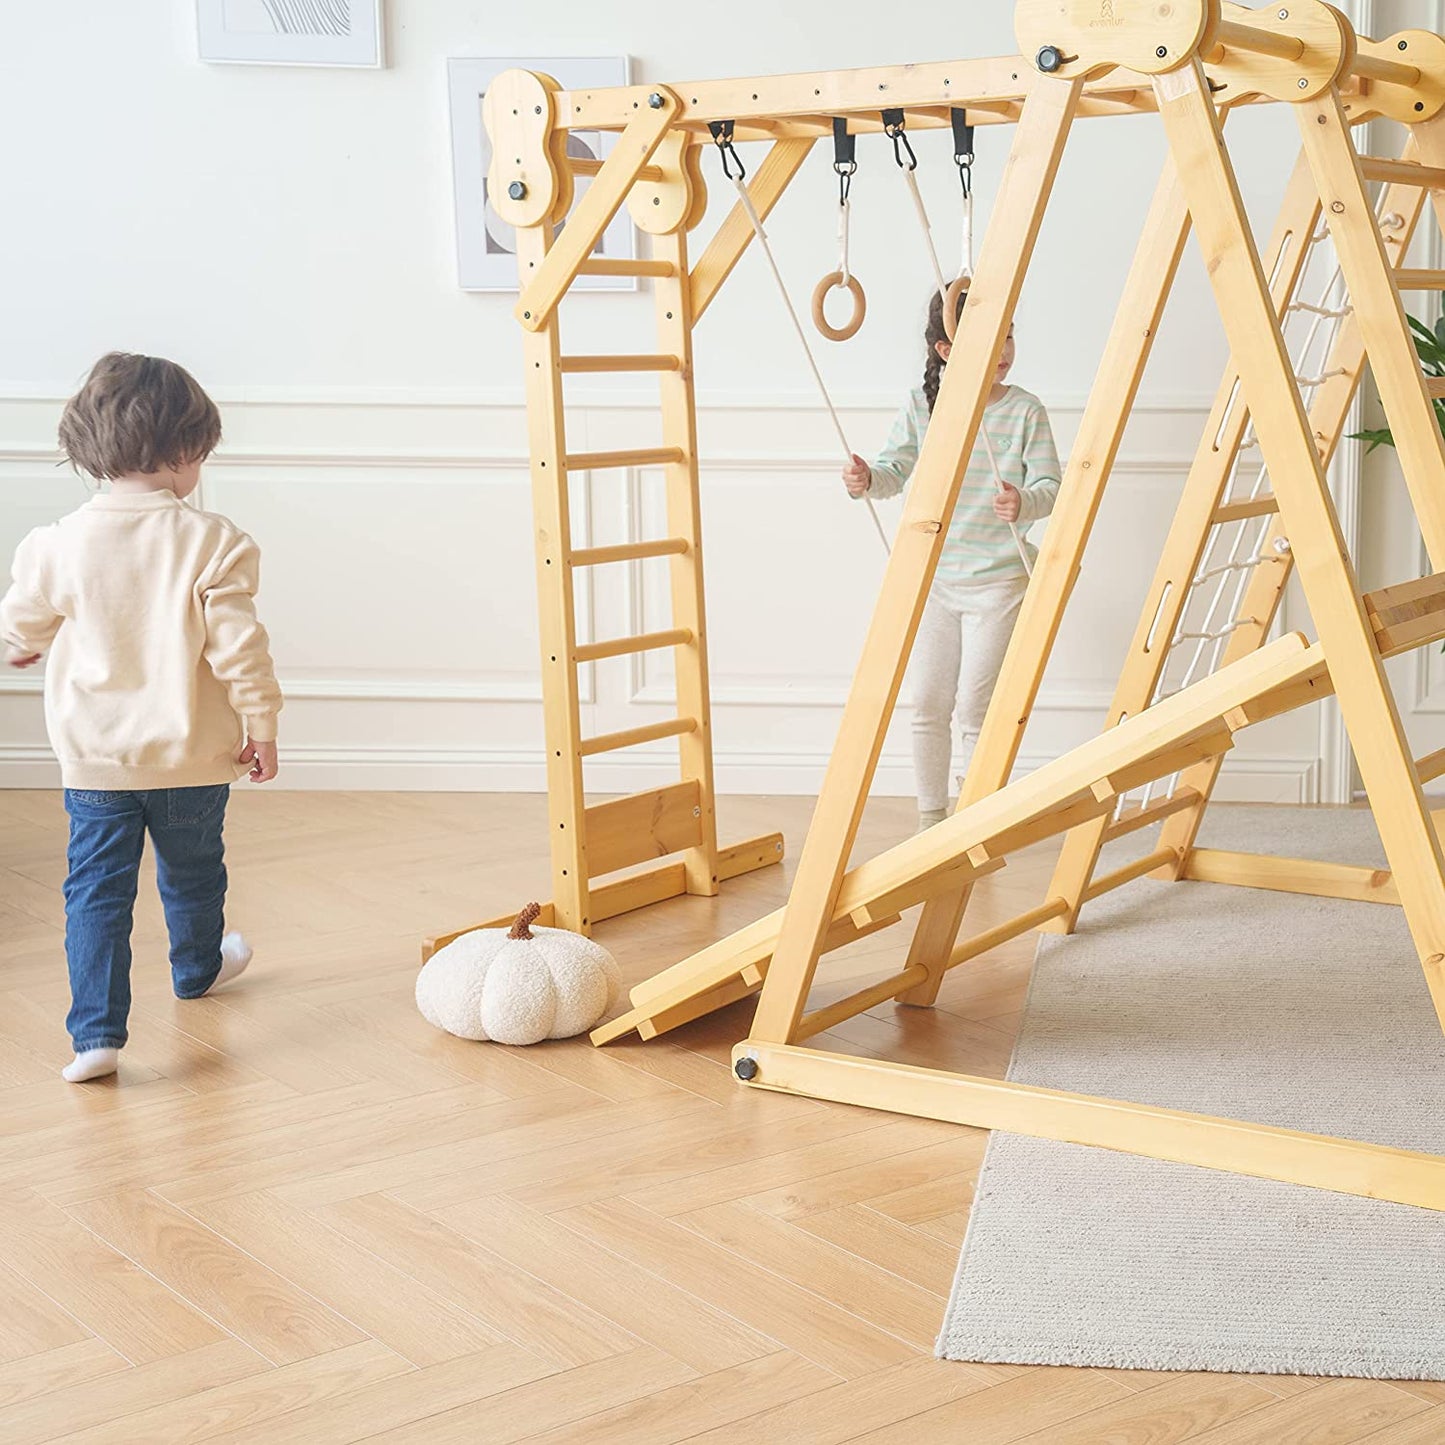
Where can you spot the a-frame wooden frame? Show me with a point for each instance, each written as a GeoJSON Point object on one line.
{"type": "Point", "coordinates": [1187, 61]}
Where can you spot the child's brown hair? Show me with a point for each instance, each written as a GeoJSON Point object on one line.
{"type": "Point", "coordinates": [933, 333]}
{"type": "Point", "coordinates": [137, 414]}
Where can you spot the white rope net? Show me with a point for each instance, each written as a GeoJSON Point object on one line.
{"type": "Point", "coordinates": [1211, 612]}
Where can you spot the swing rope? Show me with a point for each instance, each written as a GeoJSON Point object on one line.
{"type": "Point", "coordinates": [722, 134]}
{"type": "Point", "coordinates": [893, 127]}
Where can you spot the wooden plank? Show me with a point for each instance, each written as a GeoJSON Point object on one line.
{"type": "Point", "coordinates": [672, 300]}
{"type": "Point", "coordinates": [642, 827]}
{"type": "Point", "coordinates": [608, 266]}
{"type": "Point", "coordinates": [1291, 875]}
{"type": "Point", "coordinates": [1184, 547]}
{"type": "Point", "coordinates": [1048, 794]}
{"type": "Point", "coordinates": [732, 238]}
{"type": "Point", "coordinates": [1347, 1166]}
{"type": "Point", "coordinates": [555, 271]}
{"type": "Point", "coordinates": [1155, 811]}
{"type": "Point", "coordinates": [556, 607]}
{"type": "Point", "coordinates": [1431, 766]}
{"type": "Point", "coordinates": [1241, 510]}
{"type": "Point", "coordinates": [1091, 461]}
{"type": "Point", "coordinates": [1023, 195]}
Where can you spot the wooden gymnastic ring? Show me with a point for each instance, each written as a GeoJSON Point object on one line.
{"type": "Point", "coordinates": [950, 306]}
{"type": "Point", "coordinates": [860, 306]}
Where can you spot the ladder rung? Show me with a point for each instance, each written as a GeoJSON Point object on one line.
{"type": "Point", "coordinates": [618, 266]}
{"type": "Point", "coordinates": [1435, 386]}
{"type": "Point", "coordinates": [1430, 767]}
{"type": "Point", "coordinates": [586, 166]}
{"type": "Point", "coordinates": [630, 737]}
{"type": "Point", "coordinates": [1407, 173]}
{"type": "Point", "coordinates": [642, 457]}
{"type": "Point", "coordinates": [630, 552]}
{"type": "Point", "coordinates": [1419, 280]}
{"type": "Point", "coordinates": [574, 364]}
{"type": "Point", "coordinates": [643, 642]}
{"type": "Point", "coordinates": [1250, 507]}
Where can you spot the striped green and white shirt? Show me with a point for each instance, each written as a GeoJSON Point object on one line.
{"type": "Point", "coordinates": [978, 545]}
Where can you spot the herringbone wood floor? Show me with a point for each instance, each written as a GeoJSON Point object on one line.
{"type": "Point", "coordinates": [302, 1215]}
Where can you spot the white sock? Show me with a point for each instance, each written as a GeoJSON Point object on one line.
{"type": "Point", "coordinates": [91, 1064]}
{"type": "Point", "coordinates": [235, 955]}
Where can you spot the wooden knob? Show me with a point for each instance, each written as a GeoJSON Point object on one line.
{"type": "Point", "coordinates": [830, 282]}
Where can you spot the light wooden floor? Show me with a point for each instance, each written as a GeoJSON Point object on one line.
{"type": "Point", "coordinates": [303, 1215]}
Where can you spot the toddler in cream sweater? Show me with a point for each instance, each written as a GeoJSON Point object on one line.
{"type": "Point", "coordinates": [159, 689]}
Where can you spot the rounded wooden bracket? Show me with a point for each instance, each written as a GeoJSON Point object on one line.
{"type": "Point", "coordinates": [1407, 104]}
{"type": "Point", "coordinates": [1086, 37]}
{"type": "Point", "coordinates": [950, 306]}
{"type": "Point", "coordinates": [832, 281]}
{"type": "Point", "coordinates": [1300, 48]}
{"type": "Point", "coordinates": [679, 199]}
{"type": "Point", "coordinates": [528, 181]}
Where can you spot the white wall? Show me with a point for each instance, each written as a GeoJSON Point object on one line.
{"type": "Point", "coordinates": [287, 234]}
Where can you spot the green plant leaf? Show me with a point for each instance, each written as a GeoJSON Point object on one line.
{"type": "Point", "coordinates": [1377, 437]}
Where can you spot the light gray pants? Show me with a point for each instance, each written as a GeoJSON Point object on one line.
{"type": "Point", "coordinates": [956, 660]}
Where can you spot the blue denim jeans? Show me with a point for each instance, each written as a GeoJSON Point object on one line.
{"type": "Point", "coordinates": [107, 836]}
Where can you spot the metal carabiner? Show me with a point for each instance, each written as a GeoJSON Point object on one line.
{"type": "Point", "coordinates": [722, 134]}
{"type": "Point", "coordinates": [893, 128]}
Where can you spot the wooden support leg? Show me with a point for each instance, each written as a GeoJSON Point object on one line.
{"type": "Point", "coordinates": [1294, 463]}
{"type": "Point", "coordinates": [1090, 461]}
{"type": "Point", "coordinates": [1027, 180]}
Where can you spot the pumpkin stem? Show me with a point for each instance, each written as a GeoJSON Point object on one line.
{"type": "Point", "coordinates": [529, 915]}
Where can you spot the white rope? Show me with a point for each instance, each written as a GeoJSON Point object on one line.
{"type": "Point", "coordinates": [965, 244]}
{"type": "Point", "coordinates": [1225, 567]}
{"type": "Point", "coordinates": [1313, 381]}
{"type": "Point", "coordinates": [1210, 636]}
{"type": "Point", "coordinates": [746, 201]}
{"type": "Point", "coordinates": [1320, 310]}
{"type": "Point", "coordinates": [999, 484]}
{"type": "Point", "coordinates": [843, 208]}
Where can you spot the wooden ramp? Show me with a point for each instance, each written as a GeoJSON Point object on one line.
{"type": "Point", "coordinates": [1194, 725]}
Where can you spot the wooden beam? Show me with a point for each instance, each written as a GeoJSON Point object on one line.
{"type": "Point", "coordinates": [1291, 875]}
{"type": "Point", "coordinates": [1347, 1166]}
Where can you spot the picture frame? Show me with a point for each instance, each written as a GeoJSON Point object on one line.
{"type": "Point", "coordinates": [486, 260]}
{"type": "Point", "coordinates": [291, 32]}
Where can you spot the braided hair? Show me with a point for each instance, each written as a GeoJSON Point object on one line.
{"type": "Point", "coordinates": [933, 333]}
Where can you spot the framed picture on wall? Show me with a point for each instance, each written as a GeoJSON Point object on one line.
{"type": "Point", "coordinates": [290, 32]}
{"type": "Point", "coordinates": [486, 258]}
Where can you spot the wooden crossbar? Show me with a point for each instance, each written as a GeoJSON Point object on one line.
{"type": "Point", "coordinates": [1407, 615]}
{"type": "Point", "coordinates": [1405, 173]}
{"type": "Point", "coordinates": [629, 552]}
{"type": "Point", "coordinates": [631, 737]}
{"type": "Point", "coordinates": [643, 642]}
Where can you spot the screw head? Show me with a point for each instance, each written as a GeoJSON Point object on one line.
{"type": "Point", "coordinates": [1161, 51]}
{"type": "Point", "coordinates": [656, 101]}
{"type": "Point", "coordinates": [1403, 45]}
{"type": "Point", "coordinates": [1284, 14]}
{"type": "Point", "coordinates": [746, 1069]}
{"type": "Point", "coordinates": [1303, 83]}
{"type": "Point", "coordinates": [517, 190]}
{"type": "Point", "coordinates": [1337, 207]}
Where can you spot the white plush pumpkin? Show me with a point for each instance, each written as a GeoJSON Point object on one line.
{"type": "Point", "coordinates": [518, 986]}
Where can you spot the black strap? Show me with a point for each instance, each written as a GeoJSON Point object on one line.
{"type": "Point", "coordinates": [962, 147]}
{"type": "Point", "coordinates": [893, 128]}
{"type": "Point", "coordinates": [722, 133]}
{"type": "Point", "coordinates": [845, 162]}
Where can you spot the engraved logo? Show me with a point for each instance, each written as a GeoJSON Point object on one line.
{"type": "Point", "coordinates": [1107, 19]}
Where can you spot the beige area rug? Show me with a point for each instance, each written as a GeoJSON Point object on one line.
{"type": "Point", "coordinates": [1302, 1012]}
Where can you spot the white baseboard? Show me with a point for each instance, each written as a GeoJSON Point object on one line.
{"type": "Point", "coordinates": [494, 770]}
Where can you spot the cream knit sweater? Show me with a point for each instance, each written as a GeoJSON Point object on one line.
{"type": "Point", "coordinates": [158, 668]}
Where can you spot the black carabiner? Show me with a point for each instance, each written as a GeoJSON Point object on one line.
{"type": "Point", "coordinates": [893, 122]}
{"type": "Point", "coordinates": [962, 148]}
{"type": "Point", "coordinates": [845, 149]}
{"type": "Point", "coordinates": [722, 133]}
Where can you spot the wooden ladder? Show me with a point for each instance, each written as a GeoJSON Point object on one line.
{"type": "Point", "coordinates": [655, 176]}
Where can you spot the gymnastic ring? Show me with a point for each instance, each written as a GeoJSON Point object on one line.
{"type": "Point", "coordinates": [860, 306]}
{"type": "Point", "coordinates": [950, 306]}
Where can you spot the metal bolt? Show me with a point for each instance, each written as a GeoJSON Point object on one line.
{"type": "Point", "coordinates": [657, 200]}
{"type": "Point", "coordinates": [536, 110]}
{"type": "Point", "coordinates": [1403, 45]}
{"type": "Point", "coordinates": [517, 190]}
{"type": "Point", "coordinates": [656, 101]}
{"type": "Point", "coordinates": [1338, 207]}
{"type": "Point", "coordinates": [1419, 105]}
{"type": "Point", "coordinates": [746, 1070]}
{"type": "Point", "coordinates": [1281, 545]}
{"type": "Point", "coordinates": [1161, 51]}
{"type": "Point", "coordinates": [1304, 83]}
{"type": "Point", "coordinates": [1284, 14]}
{"type": "Point", "coordinates": [697, 812]}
